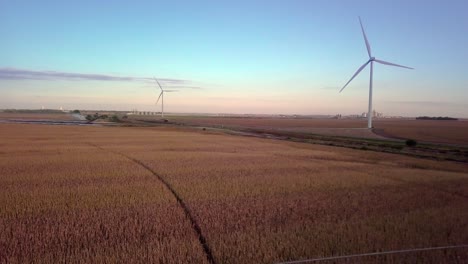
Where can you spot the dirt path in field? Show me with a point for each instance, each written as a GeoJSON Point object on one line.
{"type": "Point", "coordinates": [182, 204]}
{"type": "Point", "coordinates": [339, 132]}
{"type": "Point", "coordinates": [381, 132]}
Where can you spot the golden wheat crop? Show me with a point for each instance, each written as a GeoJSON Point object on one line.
{"type": "Point", "coordinates": [91, 194]}
{"type": "Point", "coordinates": [66, 201]}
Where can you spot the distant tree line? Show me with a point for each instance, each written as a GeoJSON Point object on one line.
{"type": "Point", "coordinates": [435, 118]}
{"type": "Point", "coordinates": [96, 116]}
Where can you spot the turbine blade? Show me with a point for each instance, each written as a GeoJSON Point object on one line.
{"type": "Point", "coordinates": [170, 91]}
{"type": "Point", "coordinates": [159, 98]}
{"type": "Point", "coordinates": [392, 64]}
{"type": "Point", "coordinates": [357, 72]}
{"type": "Point", "coordinates": [365, 39]}
{"type": "Point", "coordinates": [158, 83]}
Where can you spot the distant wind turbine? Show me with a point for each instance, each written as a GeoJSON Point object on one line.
{"type": "Point", "coordinates": [371, 61]}
{"type": "Point", "coordinates": [161, 96]}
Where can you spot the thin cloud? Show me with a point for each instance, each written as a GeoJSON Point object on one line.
{"type": "Point", "coordinates": [331, 88]}
{"type": "Point", "coordinates": [168, 85]}
{"type": "Point", "coordinates": [23, 74]}
{"type": "Point", "coordinates": [427, 103]}
{"type": "Point", "coordinates": [185, 87]}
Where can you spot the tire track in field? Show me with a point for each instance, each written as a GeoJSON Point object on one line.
{"type": "Point", "coordinates": [196, 227]}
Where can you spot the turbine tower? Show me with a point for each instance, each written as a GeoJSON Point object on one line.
{"type": "Point", "coordinates": [371, 62]}
{"type": "Point", "coordinates": [161, 96]}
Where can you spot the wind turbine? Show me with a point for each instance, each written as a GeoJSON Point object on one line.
{"type": "Point", "coordinates": [371, 62]}
{"type": "Point", "coordinates": [161, 96]}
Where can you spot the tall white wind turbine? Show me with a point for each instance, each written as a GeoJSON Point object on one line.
{"type": "Point", "coordinates": [161, 96]}
{"type": "Point", "coordinates": [371, 62]}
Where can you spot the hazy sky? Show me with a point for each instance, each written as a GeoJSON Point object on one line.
{"type": "Point", "coordinates": [288, 57]}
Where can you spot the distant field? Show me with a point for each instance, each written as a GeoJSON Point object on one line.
{"type": "Point", "coordinates": [108, 194]}
{"type": "Point", "coordinates": [36, 116]}
{"type": "Point", "coordinates": [448, 132]}
{"type": "Point", "coordinates": [444, 131]}
{"type": "Point", "coordinates": [451, 132]}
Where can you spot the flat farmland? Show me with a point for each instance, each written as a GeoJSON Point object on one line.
{"type": "Point", "coordinates": [35, 116]}
{"type": "Point", "coordinates": [65, 201]}
{"type": "Point", "coordinates": [449, 132]}
{"type": "Point", "coordinates": [169, 195]}
{"type": "Point", "coordinates": [444, 131]}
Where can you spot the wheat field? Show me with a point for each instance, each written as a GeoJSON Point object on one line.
{"type": "Point", "coordinates": [166, 195]}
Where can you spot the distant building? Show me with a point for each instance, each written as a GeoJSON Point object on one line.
{"type": "Point", "coordinates": [376, 114]}
{"type": "Point", "coordinates": [136, 112]}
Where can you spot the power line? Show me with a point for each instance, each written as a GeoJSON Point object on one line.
{"type": "Point", "coordinates": [373, 254]}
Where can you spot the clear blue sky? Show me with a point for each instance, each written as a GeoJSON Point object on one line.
{"type": "Point", "coordinates": [247, 56]}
